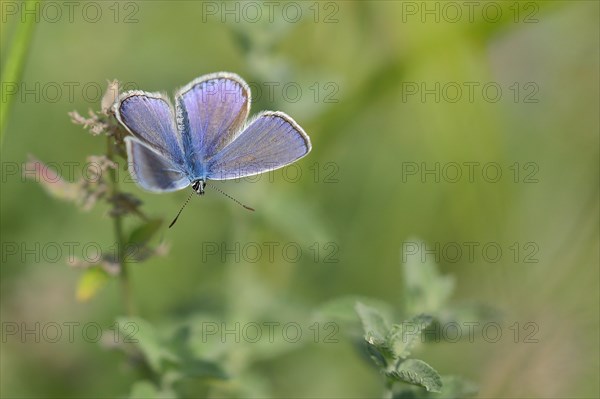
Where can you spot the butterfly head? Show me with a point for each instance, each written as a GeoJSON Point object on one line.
{"type": "Point", "coordinates": [198, 186]}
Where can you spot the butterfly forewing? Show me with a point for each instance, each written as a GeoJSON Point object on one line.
{"type": "Point", "coordinates": [149, 117]}
{"type": "Point", "coordinates": [271, 141]}
{"type": "Point", "coordinates": [211, 110]}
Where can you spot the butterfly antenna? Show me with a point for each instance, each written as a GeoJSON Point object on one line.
{"type": "Point", "coordinates": [184, 204]}
{"type": "Point", "coordinates": [229, 196]}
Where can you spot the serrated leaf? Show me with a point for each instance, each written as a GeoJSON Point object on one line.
{"type": "Point", "coordinates": [427, 290]}
{"type": "Point", "coordinates": [403, 337]}
{"type": "Point", "coordinates": [92, 280]}
{"type": "Point", "coordinates": [375, 326]}
{"type": "Point", "coordinates": [144, 336]}
{"type": "Point", "coordinates": [452, 388]}
{"type": "Point", "coordinates": [417, 372]}
{"type": "Point", "coordinates": [144, 233]}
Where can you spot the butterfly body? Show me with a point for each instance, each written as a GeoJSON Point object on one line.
{"type": "Point", "coordinates": [198, 186]}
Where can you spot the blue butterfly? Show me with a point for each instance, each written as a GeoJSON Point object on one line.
{"type": "Point", "coordinates": [206, 136]}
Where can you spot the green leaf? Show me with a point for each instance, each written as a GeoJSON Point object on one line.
{"type": "Point", "coordinates": [143, 335]}
{"type": "Point", "coordinates": [375, 326]}
{"type": "Point", "coordinates": [376, 331]}
{"type": "Point", "coordinates": [468, 312]}
{"type": "Point", "coordinates": [92, 280]}
{"type": "Point", "coordinates": [143, 390]}
{"type": "Point", "coordinates": [417, 372]}
{"type": "Point", "coordinates": [403, 337]}
{"type": "Point", "coordinates": [147, 390]}
{"type": "Point", "coordinates": [344, 308]}
{"type": "Point", "coordinates": [378, 356]}
{"type": "Point", "coordinates": [14, 63]}
{"type": "Point", "coordinates": [471, 317]}
{"type": "Point", "coordinates": [457, 388]}
{"type": "Point", "coordinates": [172, 358]}
{"type": "Point", "coordinates": [137, 249]}
{"type": "Point", "coordinates": [197, 368]}
{"type": "Point", "coordinates": [452, 388]}
{"type": "Point", "coordinates": [410, 393]}
{"type": "Point", "coordinates": [427, 290]}
{"type": "Point", "coordinates": [144, 233]}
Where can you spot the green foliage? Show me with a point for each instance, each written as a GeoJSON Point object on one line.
{"type": "Point", "coordinates": [376, 328]}
{"type": "Point", "coordinates": [390, 345]}
{"type": "Point", "coordinates": [389, 348]}
{"type": "Point", "coordinates": [102, 185]}
{"type": "Point", "coordinates": [90, 283]}
{"type": "Point", "coordinates": [167, 358]}
{"type": "Point", "coordinates": [144, 390]}
{"type": "Point", "coordinates": [404, 336]}
{"type": "Point", "coordinates": [345, 308]}
{"type": "Point", "coordinates": [143, 233]}
{"type": "Point", "coordinates": [456, 388]}
{"type": "Point", "coordinates": [453, 388]}
{"type": "Point", "coordinates": [426, 290]}
{"type": "Point", "coordinates": [417, 372]}
{"type": "Point", "coordinates": [371, 130]}
{"type": "Point", "coordinates": [147, 341]}
{"type": "Point", "coordinates": [13, 67]}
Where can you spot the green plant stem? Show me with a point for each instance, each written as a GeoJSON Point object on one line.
{"type": "Point", "coordinates": [118, 226]}
{"type": "Point", "coordinates": [388, 392]}
{"type": "Point", "coordinates": [15, 63]}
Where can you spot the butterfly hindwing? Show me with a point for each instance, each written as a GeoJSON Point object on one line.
{"type": "Point", "coordinates": [151, 170]}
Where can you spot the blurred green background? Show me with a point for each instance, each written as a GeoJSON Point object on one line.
{"type": "Point", "coordinates": [365, 56]}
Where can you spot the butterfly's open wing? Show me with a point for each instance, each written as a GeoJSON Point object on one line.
{"type": "Point", "coordinates": [151, 170]}
{"type": "Point", "coordinates": [211, 110]}
{"type": "Point", "coordinates": [149, 117]}
{"type": "Point", "coordinates": [272, 140]}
